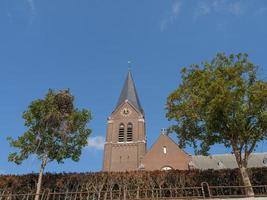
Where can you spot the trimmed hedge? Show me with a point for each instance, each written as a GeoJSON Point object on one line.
{"type": "Point", "coordinates": [101, 181]}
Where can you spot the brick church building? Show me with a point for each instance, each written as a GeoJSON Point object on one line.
{"type": "Point", "coordinates": [126, 142]}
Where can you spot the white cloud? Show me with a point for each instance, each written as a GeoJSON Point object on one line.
{"type": "Point", "coordinates": [31, 5]}
{"type": "Point", "coordinates": [202, 8]}
{"type": "Point", "coordinates": [236, 8]}
{"type": "Point", "coordinates": [26, 11]}
{"type": "Point", "coordinates": [32, 10]}
{"type": "Point", "coordinates": [205, 7]}
{"type": "Point", "coordinates": [96, 142]}
{"type": "Point", "coordinates": [176, 8]}
{"type": "Point", "coordinates": [216, 4]}
{"type": "Point", "coordinates": [172, 15]}
{"type": "Point", "coordinates": [261, 10]}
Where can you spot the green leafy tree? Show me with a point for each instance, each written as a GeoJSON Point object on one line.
{"type": "Point", "coordinates": [56, 131]}
{"type": "Point", "coordinates": [221, 101]}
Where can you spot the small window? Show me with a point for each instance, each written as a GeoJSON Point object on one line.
{"type": "Point", "coordinates": [165, 150]}
{"type": "Point", "coordinates": [129, 132]}
{"type": "Point", "coordinates": [264, 161]}
{"type": "Point", "coordinates": [121, 133]}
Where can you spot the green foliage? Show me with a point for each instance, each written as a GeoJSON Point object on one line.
{"type": "Point", "coordinates": [220, 101]}
{"type": "Point", "coordinates": [56, 129]}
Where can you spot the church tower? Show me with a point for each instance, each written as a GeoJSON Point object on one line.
{"type": "Point", "coordinates": [125, 144]}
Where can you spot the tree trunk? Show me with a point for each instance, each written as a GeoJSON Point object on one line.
{"type": "Point", "coordinates": [246, 181]}
{"type": "Point", "coordinates": [242, 165]}
{"type": "Point", "coordinates": [39, 183]}
{"type": "Point", "coordinates": [124, 193]}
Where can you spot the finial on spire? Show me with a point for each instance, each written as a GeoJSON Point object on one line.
{"type": "Point", "coordinates": [129, 65]}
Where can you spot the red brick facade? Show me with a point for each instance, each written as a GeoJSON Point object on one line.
{"type": "Point", "coordinates": [125, 148]}
{"type": "Point", "coordinates": [124, 155]}
{"type": "Point", "coordinates": [164, 155]}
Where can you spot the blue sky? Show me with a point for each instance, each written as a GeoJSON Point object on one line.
{"type": "Point", "coordinates": [85, 46]}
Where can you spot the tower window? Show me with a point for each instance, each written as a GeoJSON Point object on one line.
{"type": "Point", "coordinates": [164, 150]}
{"type": "Point", "coordinates": [129, 132]}
{"type": "Point", "coordinates": [121, 133]}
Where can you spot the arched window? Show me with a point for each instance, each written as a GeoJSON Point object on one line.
{"type": "Point", "coordinates": [166, 168]}
{"type": "Point", "coordinates": [129, 132]}
{"type": "Point", "coordinates": [121, 133]}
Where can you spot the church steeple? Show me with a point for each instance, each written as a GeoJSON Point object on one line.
{"type": "Point", "coordinates": [129, 93]}
{"type": "Point", "coordinates": [125, 144]}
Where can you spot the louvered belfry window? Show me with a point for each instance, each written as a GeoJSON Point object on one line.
{"type": "Point", "coordinates": [129, 132]}
{"type": "Point", "coordinates": [121, 133]}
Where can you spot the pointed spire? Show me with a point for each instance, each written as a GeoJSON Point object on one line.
{"type": "Point", "coordinates": [129, 93]}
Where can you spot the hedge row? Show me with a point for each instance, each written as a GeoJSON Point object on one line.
{"type": "Point", "coordinates": [132, 180]}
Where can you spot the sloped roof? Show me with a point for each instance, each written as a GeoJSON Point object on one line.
{"type": "Point", "coordinates": [178, 159]}
{"type": "Point", "coordinates": [165, 153]}
{"type": "Point", "coordinates": [129, 93]}
{"type": "Point", "coordinates": [227, 161]}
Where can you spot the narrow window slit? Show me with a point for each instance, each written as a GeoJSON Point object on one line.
{"type": "Point", "coordinates": [129, 132]}
{"type": "Point", "coordinates": [121, 133]}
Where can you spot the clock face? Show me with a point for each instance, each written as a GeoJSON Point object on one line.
{"type": "Point", "coordinates": [125, 112]}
